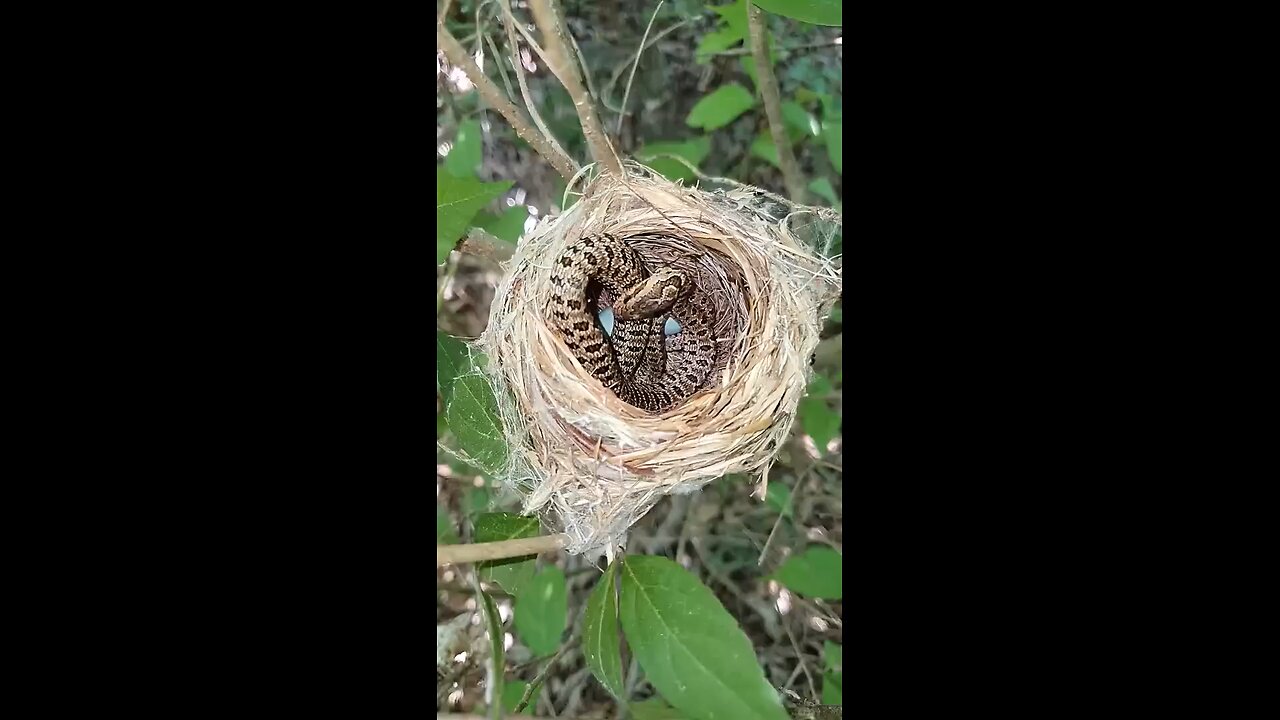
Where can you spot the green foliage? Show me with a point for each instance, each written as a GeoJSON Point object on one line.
{"type": "Point", "coordinates": [543, 611]}
{"type": "Point", "coordinates": [452, 362]}
{"type": "Point", "coordinates": [732, 29]}
{"type": "Point", "coordinates": [721, 107]}
{"type": "Point", "coordinates": [600, 635]}
{"type": "Point", "coordinates": [816, 572]}
{"type": "Point", "coordinates": [511, 573]}
{"type": "Point", "coordinates": [445, 534]}
{"type": "Point", "coordinates": [800, 120]}
{"type": "Point", "coordinates": [833, 677]}
{"type": "Point", "coordinates": [817, 418]}
{"type": "Point", "coordinates": [833, 131]}
{"type": "Point", "coordinates": [690, 648]}
{"type": "Point", "coordinates": [508, 226]}
{"type": "Point", "coordinates": [693, 151]}
{"type": "Point", "coordinates": [513, 690]}
{"type": "Point", "coordinates": [458, 199]}
{"type": "Point", "coordinates": [764, 148]}
{"type": "Point", "coordinates": [473, 418]}
{"type": "Point", "coordinates": [464, 159]}
{"type": "Point", "coordinates": [493, 623]}
{"type": "Point", "coordinates": [816, 12]}
{"type": "Point", "coordinates": [822, 187]}
{"type": "Point", "coordinates": [654, 709]}
{"type": "Point", "coordinates": [778, 497]}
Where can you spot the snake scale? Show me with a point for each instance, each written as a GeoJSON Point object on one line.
{"type": "Point", "coordinates": [639, 363]}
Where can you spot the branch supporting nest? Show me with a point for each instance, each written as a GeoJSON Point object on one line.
{"type": "Point", "coordinates": [773, 105]}
{"type": "Point", "coordinates": [457, 55]}
{"type": "Point", "coordinates": [477, 552]}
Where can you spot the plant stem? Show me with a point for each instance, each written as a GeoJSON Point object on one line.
{"type": "Point", "coordinates": [476, 552]}
{"type": "Point", "coordinates": [773, 105]}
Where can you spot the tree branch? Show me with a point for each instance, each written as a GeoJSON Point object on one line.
{"type": "Point", "coordinates": [492, 95]}
{"type": "Point", "coordinates": [476, 552]}
{"type": "Point", "coordinates": [553, 35]}
{"type": "Point", "coordinates": [773, 105]}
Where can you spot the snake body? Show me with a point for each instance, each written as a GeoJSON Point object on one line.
{"type": "Point", "coordinates": [639, 364]}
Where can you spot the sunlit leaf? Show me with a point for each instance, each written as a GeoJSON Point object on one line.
{"type": "Point", "coordinates": [600, 635]}
{"type": "Point", "coordinates": [511, 573]}
{"type": "Point", "coordinates": [507, 226]}
{"type": "Point", "coordinates": [468, 150]}
{"type": "Point", "coordinates": [816, 12]}
{"type": "Point", "coordinates": [720, 107]}
{"type": "Point", "coordinates": [816, 573]}
{"type": "Point", "coordinates": [797, 118]}
{"type": "Point", "coordinates": [693, 151]}
{"type": "Point", "coordinates": [690, 648]}
{"type": "Point", "coordinates": [457, 202]}
{"type": "Point", "coordinates": [543, 611]}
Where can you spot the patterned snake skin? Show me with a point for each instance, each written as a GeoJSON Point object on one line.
{"type": "Point", "coordinates": [640, 365]}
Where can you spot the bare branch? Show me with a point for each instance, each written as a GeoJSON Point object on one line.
{"type": "Point", "coordinates": [482, 244]}
{"type": "Point", "coordinates": [516, 62]}
{"type": "Point", "coordinates": [553, 34]}
{"type": "Point", "coordinates": [773, 105]}
{"type": "Point", "coordinates": [492, 95]}
{"type": "Point", "coordinates": [476, 552]}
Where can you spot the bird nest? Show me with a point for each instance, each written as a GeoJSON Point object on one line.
{"type": "Point", "coordinates": [586, 462]}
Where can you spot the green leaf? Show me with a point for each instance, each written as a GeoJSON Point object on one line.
{"type": "Point", "coordinates": [493, 622]}
{"type": "Point", "coordinates": [600, 635]}
{"type": "Point", "coordinates": [452, 362]}
{"type": "Point", "coordinates": [832, 679]}
{"type": "Point", "coordinates": [816, 572]}
{"type": "Point", "coordinates": [814, 12]}
{"type": "Point", "coordinates": [720, 107]}
{"type": "Point", "coordinates": [820, 387]}
{"type": "Point", "coordinates": [477, 501]}
{"type": "Point", "coordinates": [734, 16]}
{"type": "Point", "coordinates": [799, 119]}
{"type": "Point", "coordinates": [543, 611]}
{"type": "Point", "coordinates": [764, 148]}
{"type": "Point", "coordinates": [513, 690]}
{"type": "Point", "coordinates": [473, 417]}
{"type": "Point", "coordinates": [457, 201]}
{"type": "Point", "coordinates": [509, 226]}
{"type": "Point", "coordinates": [690, 647]}
{"type": "Point", "coordinates": [655, 709]}
{"type": "Point", "coordinates": [445, 534]}
{"type": "Point", "coordinates": [822, 187]}
{"type": "Point", "coordinates": [833, 131]}
{"type": "Point", "coordinates": [694, 151]}
{"type": "Point", "coordinates": [778, 497]}
{"type": "Point", "coordinates": [714, 42]}
{"type": "Point", "coordinates": [465, 157]}
{"type": "Point", "coordinates": [819, 421]}
{"type": "Point", "coordinates": [510, 573]}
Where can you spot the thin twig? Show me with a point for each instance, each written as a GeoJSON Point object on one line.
{"type": "Point", "coordinates": [627, 93]}
{"type": "Point", "coordinates": [813, 691]}
{"type": "Point", "coordinates": [621, 67]}
{"type": "Point", "coordinates": [502, 69]}
{"type": "Point", "coordinates": [553, 33]}
{"type": "Point", "coordinates": [509, 21]}
{"type": "Point", "coordinates": [538, 679]}
{"type": "Point", "coordinates": [458, 56]}
{"type": "Point", "coordinates": [476, 552]}
{"type": "Point", "coordinates": [482, 244]}
{"type": "Point", "coordinates": [773, 105]}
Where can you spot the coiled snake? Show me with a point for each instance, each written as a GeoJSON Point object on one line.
{"type": "Point", "coordinates": [639, 364]}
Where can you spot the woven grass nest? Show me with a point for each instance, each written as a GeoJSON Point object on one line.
{"type": "Point", "coordinates": [586, 462]}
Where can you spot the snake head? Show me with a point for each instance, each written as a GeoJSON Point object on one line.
{"type": "Point", "coordinates": [652, 297]}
